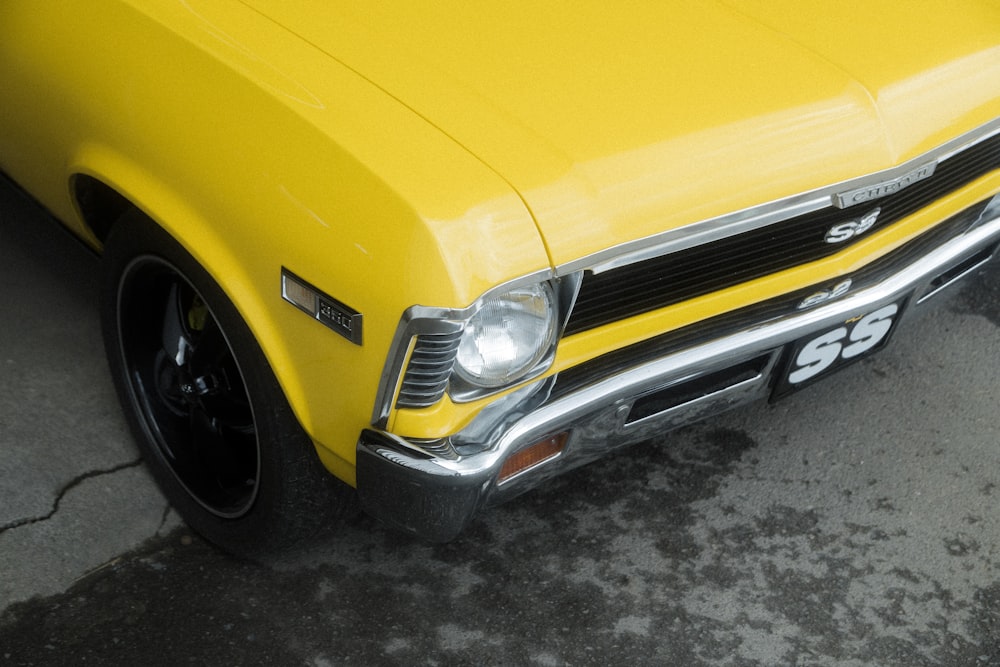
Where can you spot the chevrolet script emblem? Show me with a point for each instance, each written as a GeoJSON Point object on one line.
{"type": "Point", "coordinates": [892, 186]}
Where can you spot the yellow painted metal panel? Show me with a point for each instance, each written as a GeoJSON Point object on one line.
{"type": "Point", "coordinates": [400, 154]}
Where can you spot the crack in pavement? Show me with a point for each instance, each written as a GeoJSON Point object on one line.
{"type": "Point", "coordinates": [164, 518]}
{"type": "Point", "coordinates": [73, 483]}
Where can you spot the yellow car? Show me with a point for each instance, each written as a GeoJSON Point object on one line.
{"type": "Point", "coordinates": [428, 255]}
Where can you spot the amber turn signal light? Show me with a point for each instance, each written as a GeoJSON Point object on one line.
{"type": "Point", "coordinates": [532, 455]}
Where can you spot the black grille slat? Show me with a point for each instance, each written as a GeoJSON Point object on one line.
{"type": "Point", "coordinates": [430, 367]}
{"type": "Point", "coordinates": [663, 281]}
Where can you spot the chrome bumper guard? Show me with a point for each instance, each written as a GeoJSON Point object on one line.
{"type": "Point", "coordinates": [435, 490]}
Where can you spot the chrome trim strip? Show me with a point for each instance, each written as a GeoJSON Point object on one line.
{"type": "Point", "coordinates": [739, 222]}
{"type": "Point", "coordinates": [436, 497]}
{"type": "Point", "coordinates": [698, 233]}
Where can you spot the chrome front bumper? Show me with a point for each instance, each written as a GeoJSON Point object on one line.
{"type": "Point", "coordinates": [435, 490]}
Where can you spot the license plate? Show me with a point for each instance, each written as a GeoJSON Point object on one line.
{"type": "Point", "coordinates": [821, 354]}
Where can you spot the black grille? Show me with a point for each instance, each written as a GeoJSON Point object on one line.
{"type": "Point", "coordinates": [645, 286]}
{"type": "Point", "coordinates": [729, 323]}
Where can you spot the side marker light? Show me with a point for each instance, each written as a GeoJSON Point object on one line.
{"type": "Point", "coordinates": [533, 455]}
{"type": "Point", "coordinates": [321, 307]}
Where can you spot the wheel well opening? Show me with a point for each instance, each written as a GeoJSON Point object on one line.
{"type": "Point", "coordinates": [100, 205]}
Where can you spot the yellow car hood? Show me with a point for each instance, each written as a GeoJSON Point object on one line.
{"type": "Point", "coordinates": [617, 121]}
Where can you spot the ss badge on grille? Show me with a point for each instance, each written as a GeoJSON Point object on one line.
{"type": "Point", "coordinates": [848, 230]}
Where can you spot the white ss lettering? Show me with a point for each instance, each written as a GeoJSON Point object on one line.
{"type": "Point", "coordinates": [818, 355]}
{"type": "Point", "coordinates": [869, 331]}
{"type": "Point", "coordinates": [821, 352]}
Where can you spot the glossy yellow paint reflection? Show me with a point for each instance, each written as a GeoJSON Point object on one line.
{"type": "Point", "coordinates": [397, 154]}
{"type": "Point", "coordinates": [617, 122]}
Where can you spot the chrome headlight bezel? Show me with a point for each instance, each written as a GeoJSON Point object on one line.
{"type": "Point", "coordinates": [439, 331]}
{"type": "Point", "coordinates": [507, 337]}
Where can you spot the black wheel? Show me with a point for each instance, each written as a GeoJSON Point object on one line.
{"type": "Point", "coordinates": [204, 405]}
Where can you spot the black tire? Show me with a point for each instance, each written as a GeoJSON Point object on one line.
{"type": "Point", "coordinates": [204, 405]}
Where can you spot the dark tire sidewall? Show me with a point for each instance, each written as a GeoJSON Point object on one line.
{"type": "Point", "coordinates": [294, 496]}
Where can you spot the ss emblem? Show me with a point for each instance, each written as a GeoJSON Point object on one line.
{"type": "Point", "coordinates": [848, 230]}
{"type": "Point", "coordinates": [840, 289]}
{"type": "Point", "coordinates": [843, 343]}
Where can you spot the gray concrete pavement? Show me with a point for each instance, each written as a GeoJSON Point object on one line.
{"type": "Point", "coordinates": [73, 493]}
{"type": "Point", "coordinates": [853, 523]}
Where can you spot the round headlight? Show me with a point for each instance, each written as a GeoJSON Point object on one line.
{"type": "Point", "coordinates": [507, 336]}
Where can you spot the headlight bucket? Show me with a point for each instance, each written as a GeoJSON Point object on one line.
{"type": "Point", "coordinates": [507, 336]}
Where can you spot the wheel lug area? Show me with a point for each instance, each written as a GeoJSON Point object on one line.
{"type": "Point", "coordinates": [193, 388]}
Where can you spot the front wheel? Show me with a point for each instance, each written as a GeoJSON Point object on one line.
{"type": "Point", "coordinates": [203, 403]}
